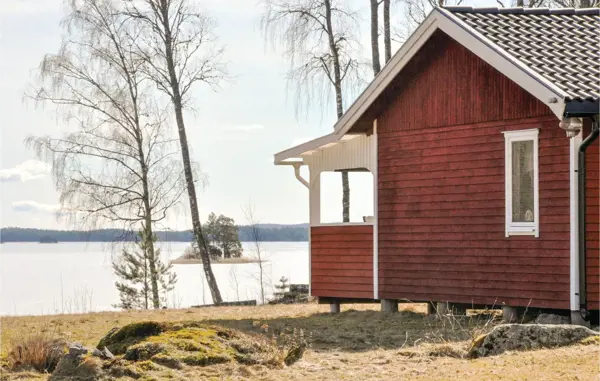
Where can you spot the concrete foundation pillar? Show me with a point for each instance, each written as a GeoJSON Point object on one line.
{"type": "Point", "coordinates": [441, 308]}
{"type": "Point", "coordinates": [509, 314]}
{"type": "Point", "coordinates": [335, 308]}
{"type": "Point", "coordinates": [576, 319]}
{"type": "Point", "coordinates": [389, 306]}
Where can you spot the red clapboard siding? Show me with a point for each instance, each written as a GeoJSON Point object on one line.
{"type": "Point", "coordinates": [342, 261]}
{"type": "Point", "coordinates": [592, 236]}
{"type": "Point", "coordinates": [441, 187]}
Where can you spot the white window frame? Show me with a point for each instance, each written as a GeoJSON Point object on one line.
{"type": "Point", "coordinates": [521, 228]}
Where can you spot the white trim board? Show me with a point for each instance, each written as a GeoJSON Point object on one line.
{"type": "Point", "coordinates": [521, 228]}
{"type": "Point", "coordinates": [441, 19]}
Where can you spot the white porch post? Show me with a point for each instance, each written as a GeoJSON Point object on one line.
{"type": "Point", "coordinates": [314, 205]}
{"type": "Point", "coordinates": [574, 143]}
{"type": "Point", "coordinates": [315, 196]}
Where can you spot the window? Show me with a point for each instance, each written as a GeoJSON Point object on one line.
{"type": "Point", "coordinates": [521, 182]}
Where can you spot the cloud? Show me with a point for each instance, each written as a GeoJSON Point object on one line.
{"type": "Point", "coordinates": [247, 127]}
{"type": "Point", "coordinates": [299, 141]}
{"type": "Point", "coordinates": [35, 207]}
{"type": "Point", "coordinates": [27, 6]}
{"type": "Point", "coordinates": [27, 170]}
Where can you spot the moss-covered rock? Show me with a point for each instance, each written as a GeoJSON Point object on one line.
{"type": "Point", "coordinates": [77, 368]}
{"type": "Point", "coordinates": [176, 345]}
{"type": "Point", "coordinates": [510, 337]}
{"type": "Point", "coordinates": [144, 351]}
{"type": "Point", "coordinates": [167, 361]}
{"type": "Point", "coordinates": [117, 340]}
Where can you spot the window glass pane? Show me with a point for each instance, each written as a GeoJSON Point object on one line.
{"type": "Point", "coordinates": [522, 181]}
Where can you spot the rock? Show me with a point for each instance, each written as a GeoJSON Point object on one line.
{"type": "Point", "coordinates": [168, 361]}
{"type": "Point", "coordinates": [117, 340]}
{"type": "Point", "coordinates": [144, 351]}
{"type": "Point", "coordinates": [107, 354]}
{"type": "Point", "coordinates": [104, 354]}
{"type": "Point", "coordinates": [510, 337]}
{"type": "Point", "coordinates": [76, 349]}
{"type": "Point", "coordinates": [294, 354]}
{"type": "Point", "coordinates": [74, 366]}
{"type": "Point", "coordinates": [552, 319]}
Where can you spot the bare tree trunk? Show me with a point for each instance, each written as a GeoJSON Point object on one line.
{"type": "Point", "coordinates": [387, 39]}
{"type": "Point", "coordinates": [375, 36]}
{"type": "Point", "coordinates": [187, 167]}
{"type": "Point", "coordinates": [520, 3]}
{"type": "Point", "coordinates": [585, 4]}
{"type": "Point", "coordinates": [150, 252]}
{"type": "Point", "coordinates": [339, 105]}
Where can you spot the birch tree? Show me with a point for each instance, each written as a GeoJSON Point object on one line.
{"type": "Point", "coordinates": [374, 7]}
{"type": "Point", "coordinates": [387, 35]}
{"type": "Point", "coordinates": [415, 12]}
{"type": "Point", "coordinates": [117, 164]}
{"type": "Point", "coordinates": [318, 37]}
{"type": "Point", "coordinates": [178, 49]}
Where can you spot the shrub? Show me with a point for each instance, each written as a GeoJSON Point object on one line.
{"type": "Point", "coordinates": [38, 351]}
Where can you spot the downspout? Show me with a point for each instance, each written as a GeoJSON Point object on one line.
{"type": "Point", "coordinates": [298, 176]}
{"type": "Point", "coordinates": [581, 212]}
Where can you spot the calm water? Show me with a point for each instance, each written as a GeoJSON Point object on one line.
{"type": "Point", "coordinates": [38, 279]}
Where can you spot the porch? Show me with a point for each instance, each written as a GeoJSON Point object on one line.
{"type": "Point", "coordinates": [342, 255]}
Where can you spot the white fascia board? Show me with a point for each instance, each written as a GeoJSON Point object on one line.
{"type": "Point", "coordinates": [475, 42]}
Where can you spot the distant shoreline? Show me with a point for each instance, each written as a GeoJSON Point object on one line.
{"type": "Point", "coordinates": [268, 233]}
{"type": "Point", "coordinates": [219, 261]}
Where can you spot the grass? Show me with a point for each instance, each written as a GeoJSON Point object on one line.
{"type": "Point", "coordinates": [360, 343]}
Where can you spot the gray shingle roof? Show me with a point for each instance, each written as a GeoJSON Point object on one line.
{"type": "Point", "coordinates": [561, 45]}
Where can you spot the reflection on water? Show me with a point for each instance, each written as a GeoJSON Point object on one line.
{"type": "Point", "coordinates": [40, 279]}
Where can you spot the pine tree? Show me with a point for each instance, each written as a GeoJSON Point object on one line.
{"type": "Point", "coordinates": [222, 238]}
{"type": "Point", "coordinates": [282, 288]}
{"type": "Point", "coordinates": [133, 267]}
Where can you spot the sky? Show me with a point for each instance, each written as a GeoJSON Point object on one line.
{"type": "Point", "coordinates": [233, 133]}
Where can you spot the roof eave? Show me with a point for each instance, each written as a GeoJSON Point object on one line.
{"type": "Point", "coordinates": [582, 108]}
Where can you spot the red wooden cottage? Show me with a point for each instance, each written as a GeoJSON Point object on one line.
{"type": "Point", "coordinates": [481, 135]}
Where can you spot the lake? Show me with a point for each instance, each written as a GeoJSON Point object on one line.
{"type": "Point", "coordinates": [40, 279]}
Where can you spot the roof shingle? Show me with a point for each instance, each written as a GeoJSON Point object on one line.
{"type": "Point", "coordinates": [561, 45]}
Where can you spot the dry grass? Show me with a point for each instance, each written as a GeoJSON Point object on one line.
{"type": "Point", "coordinates": [358, 344]}
{"type": "Point", "coordinates": [38, 350]}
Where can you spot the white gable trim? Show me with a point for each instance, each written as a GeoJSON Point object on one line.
{"type": "Point", "coordinates": [443, 20]}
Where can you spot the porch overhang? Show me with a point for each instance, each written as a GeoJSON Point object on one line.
{"type": "Point", "coordinates": [295, 155]}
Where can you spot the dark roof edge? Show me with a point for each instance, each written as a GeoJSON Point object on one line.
{"type": "Point", "coordinates": [578, 108]}
{"type": "Point", "coordinates": [520, 10]}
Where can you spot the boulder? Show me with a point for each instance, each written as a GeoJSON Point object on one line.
{"type": "Point", "coordinates": [77, 365]}
{"type": "Point", "coordinates": [510, 337]}
{"type": "Point", "coordinates": [76, 349]}
{"type": "Point", "coordinates": [552, 319]}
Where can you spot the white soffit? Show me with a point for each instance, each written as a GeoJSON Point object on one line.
{"type": "Point", "coordinates": [475, 42]}
{"type": "Point", "coordinates": [294, 155]}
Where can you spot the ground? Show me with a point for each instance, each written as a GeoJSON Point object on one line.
{"type": "Point", "coordinates": [358, 344]}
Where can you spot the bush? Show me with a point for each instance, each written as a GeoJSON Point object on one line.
{"type": "Point", "coordinates": [39, 351]}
